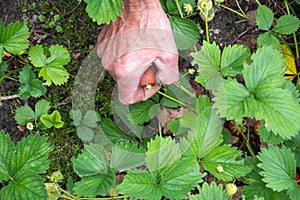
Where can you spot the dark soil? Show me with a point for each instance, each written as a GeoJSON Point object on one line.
{"type": "Point", "coordinates": [10, 13]}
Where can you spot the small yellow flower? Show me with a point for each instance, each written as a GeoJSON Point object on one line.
{"type": "Point", "coordinates": [187, 8]}
{"type": "Point", "coordinates": [231, 189]}
{"type": "Point", "coordinates": [29, 126]}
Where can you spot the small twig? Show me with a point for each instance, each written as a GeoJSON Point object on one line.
{"type": "Point", "coordinates": [63, 102]}
{"type": "Point", "coordinates": [71, 11]}
{"type": "Point", "coordinates": [15, 96]}
{"type": "Point", "coordinates": [13, 79]}
{"type": "Point", "coordinates": [240, 35]}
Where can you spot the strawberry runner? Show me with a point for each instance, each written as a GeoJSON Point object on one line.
{"type": "Point", "coordinates": [139, 40]}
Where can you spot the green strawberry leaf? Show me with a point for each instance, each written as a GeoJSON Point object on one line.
{"type": "Point", "coordinates": [26, 186]}
{"type": "Point", "coordinates": [256, 188]}
{"type": "Point", "coordinates": [268, 136]}
{"type": "Point", "coordinates": [211, 192]}
{"type": "Point", "coordinates": [140, 112]}
{"type": "Point", "coordinates": [98, 184]}
{"type": "Point", "coordinates": [162, 152]}
{"type": "Point", "coordinates": [92, 165]}
{"type": "Point", "coordinates": [287, 24]}
{"type": "Point", "coordinates": [208, 60]}
{"type": "Point", "coordinates": [31, 87]}
{"type": "Point", "coordinates": [229, 159]}
{"type": "Point", "coordinates": [121, 112]}
{"type": "Point", "coordinates": [89, 119]}
{"type": "Point", "coordinates": [53, 119]}
{"type": "Point", "coordinates": [41, 107]}
{"type": "Point", "coordinates": [20, 166]}
{"type": "Point", "coordinates": [264, 97]}
{"type": "Point", "coordinates": [276, 163]}
{"type": "Point", "coordinates": [31, 154]}
{"type": "Point", "coordinates": [294, 193]}
{"type": "Point", "coordinates": [268, 39]}
{"type": "Point", "coordinates": [180, 178]}
{"type": "Point", "coordinates": [172, 182]}
{"type": "Point", "coordinates": [281, 112]}
{"type": "Point", "coordinates": [104, 11]}
{"type": "Point", "coordinates": [233, 101]}
{"type": "Point", "coordinates": [51, 68]}
{"type": "Point", "coordinates": [84, 124]}
{"type": "Point", "coordinates": [24, 114]}
{"type": "Point", "coordinates": [205, 134]}
{"type": "Point", "coordinates": [13, 38]}
{"type": "Point", "coordinates": [112, 131]}
{"type": "Point", "coordinates": [264, 17]}
{"type": "Point", "coordinates": [3, 68]}
{"type": "Point", "coordinates": [140, 185]}
{"type": "Point", "coordinates": [181, 125]}
{"type": "Point", "coordinates": [266, 71]}
{"type": "Point", "coordinates": [125, 156]}
{"type": "Point", "coordinates": [185, 32]}
{"type": "Point", "coordinates": [294, 145]}
{"type": "Point", "coordinates": [6, 150]}
{"type": "Point", "coordinates": [76, 115]}
{"type": "Point", "coordinates": [91, 161]}
{"type": "Point", "coordinates": [233, 58]}
{"type": "Point", "coordinates": [86, 134]}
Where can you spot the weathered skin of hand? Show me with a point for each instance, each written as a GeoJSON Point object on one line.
{"type": "Point", "coordinates": [141, 38]}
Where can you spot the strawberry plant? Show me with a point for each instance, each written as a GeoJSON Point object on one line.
{"type": "Point", "coordinates": [21, 166]}
{"type": "Point", "coordinates": [14, 40]}
{"type": "Point", "coordinates": [39, 116]}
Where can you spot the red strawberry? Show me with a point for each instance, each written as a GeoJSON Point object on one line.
{"type": "Point", "coordinates": [236, 129]}
{"type": "Point", "coordinates": [148, 78]}
{"type": "Point", "coordinates": [257, 123]}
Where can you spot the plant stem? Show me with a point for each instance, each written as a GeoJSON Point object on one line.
{"type": "Point", "coordinates": [238, 13]}
{"type": "Point", "coordinates": [22, 59]}
{"type": "Point", "coordinates": [195, 48]}
{"type": "Point", "coordinates": [238, 5]}
{"type": "Point", "coordinates": [179, 9]}
{"type": "Point", "coordinates": [175, 100]}
{"type": "Point", "coordinates": [287, 5]}
{"type": "Point", "coordinates": [258, 2]}
{"type": "Point", "coordinates": [159, 128]}
{"type": "Point", "coordinates": [246, 139]}
{"type": "Point", "coordinates": [9, 73]}
{"type": "Point", "coordinates": [296, 46]}
{"type": "Point", "coordinates": [207, 31]}
{"type": "Point", "coordinates": [71, 197]}
{"type": "Point", "coordinates": [184, 89]}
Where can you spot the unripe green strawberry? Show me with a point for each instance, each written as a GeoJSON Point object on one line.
{"type": "Point", "coordinates": [148, 78]}
{"type": "Point", "coordinates": [231, 189]}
